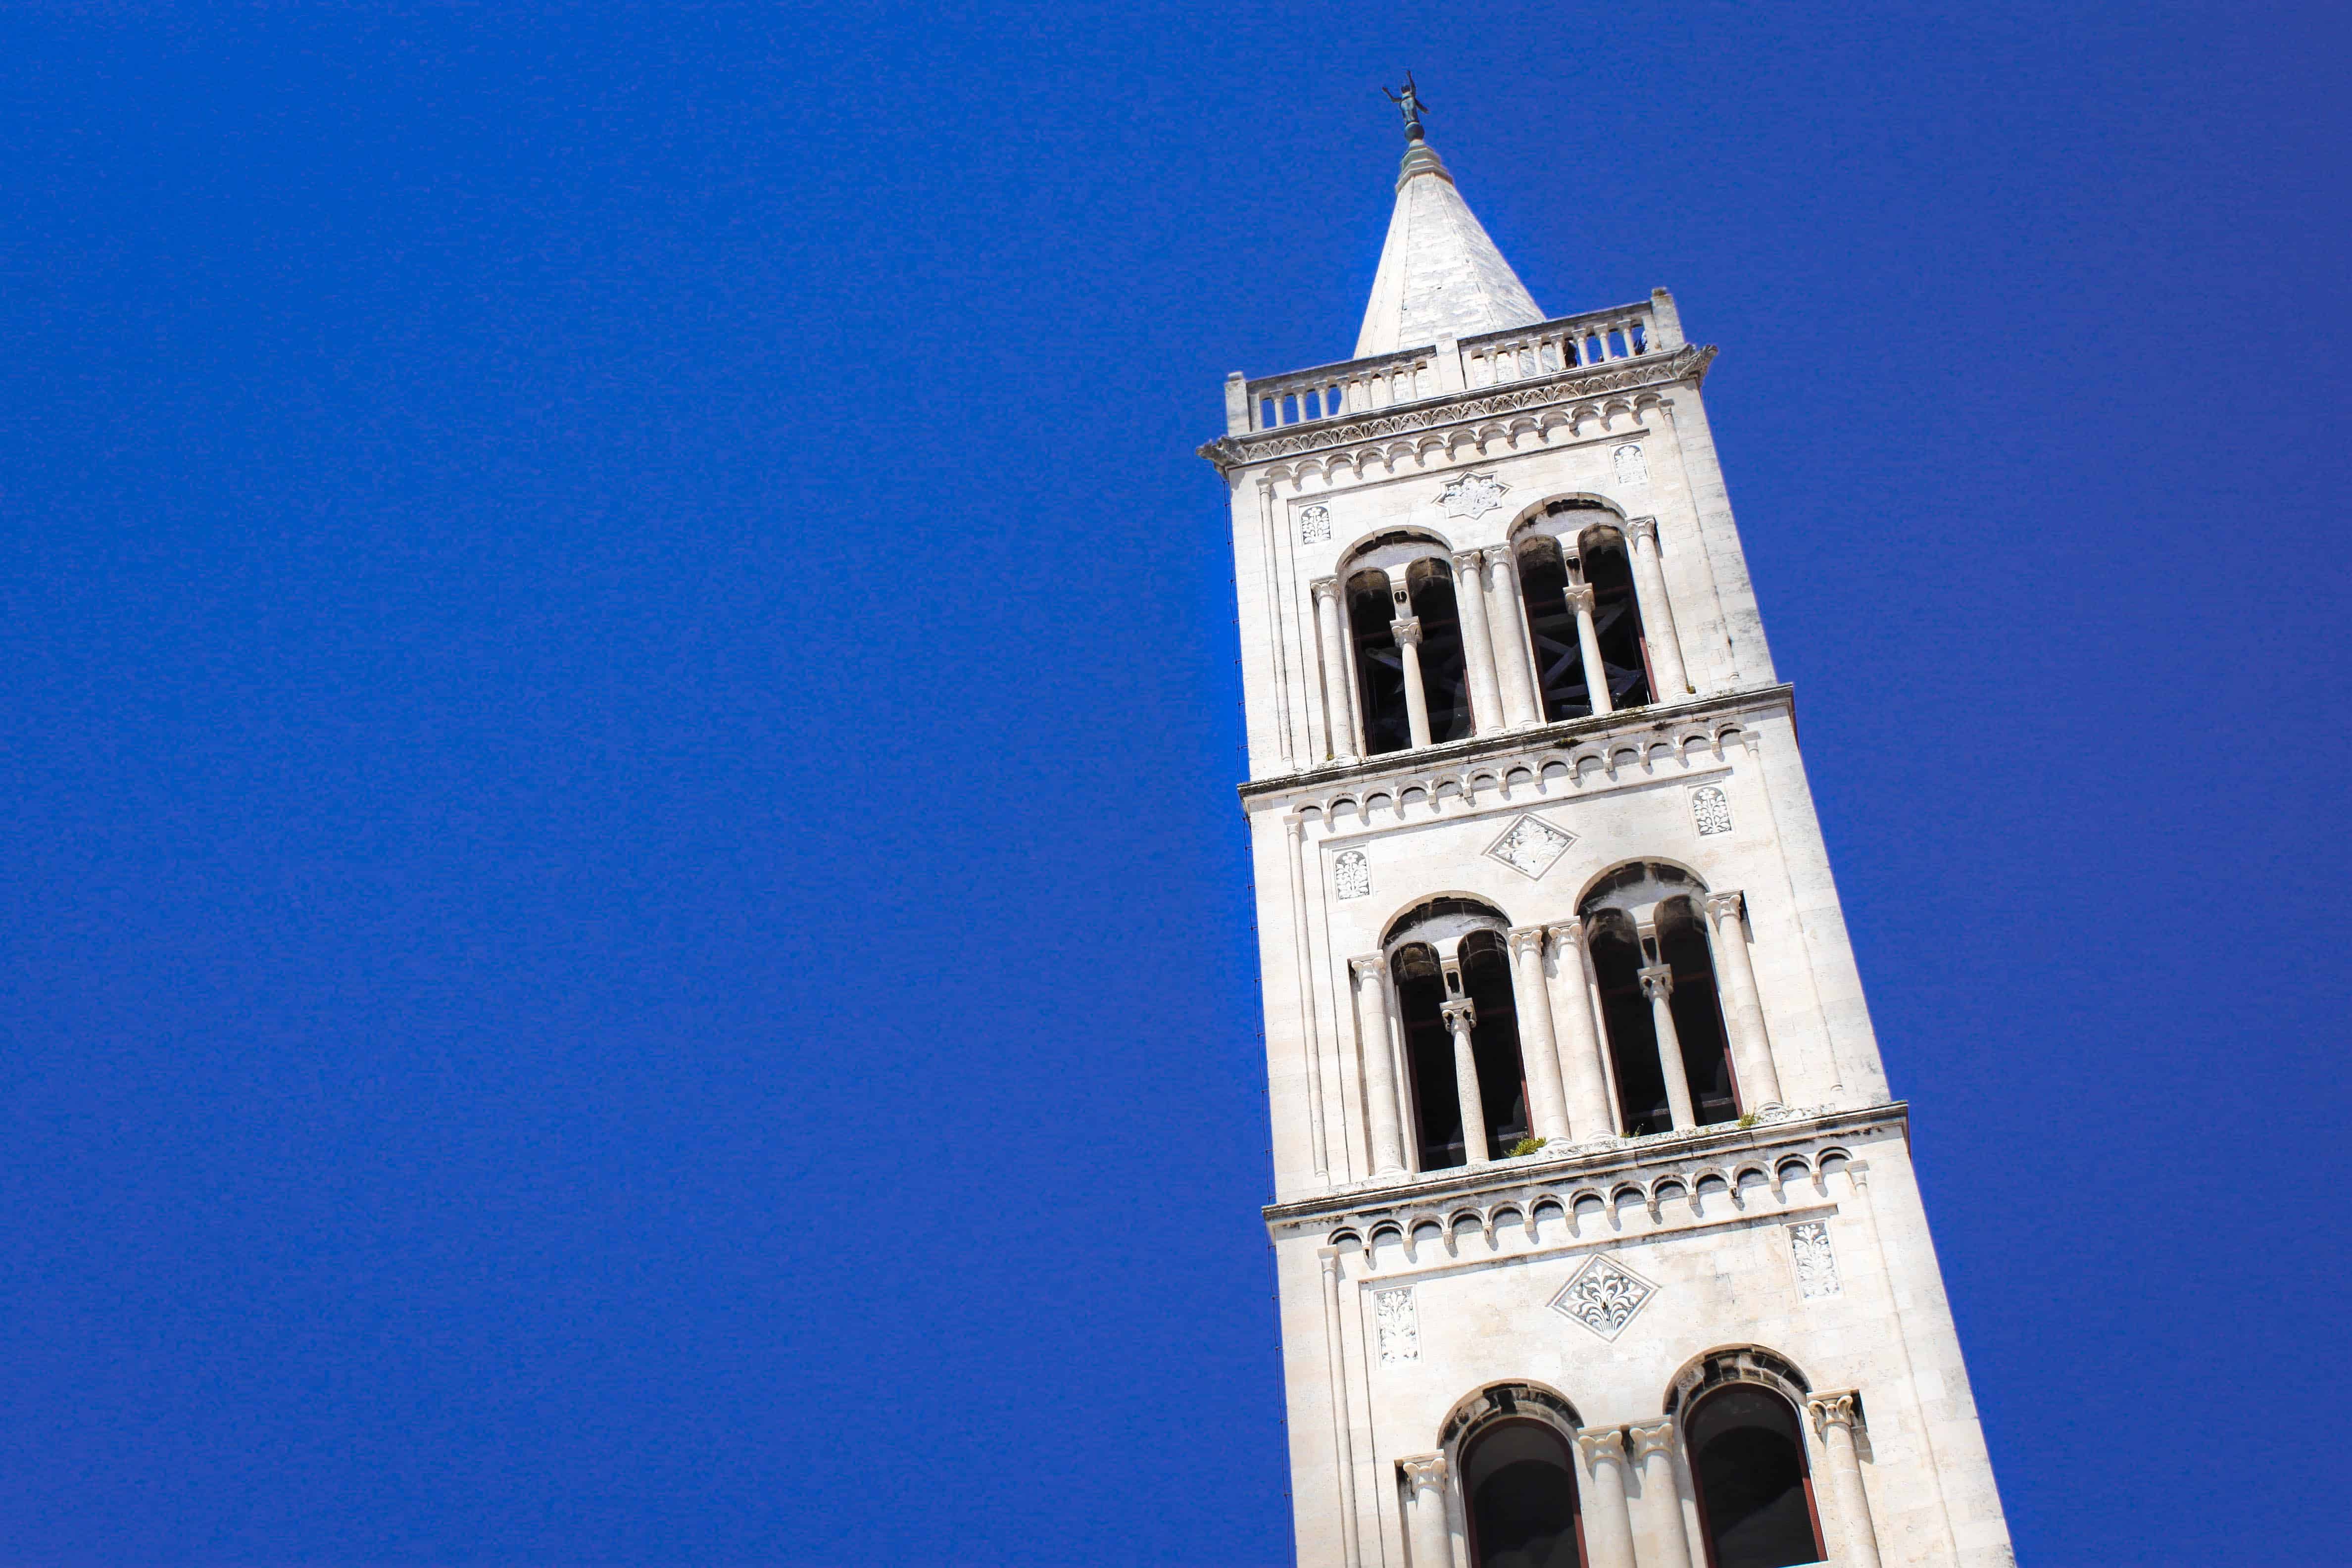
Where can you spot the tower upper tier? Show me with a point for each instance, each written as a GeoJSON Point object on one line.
{"type": "Point", "coordinates": [1439, 274]}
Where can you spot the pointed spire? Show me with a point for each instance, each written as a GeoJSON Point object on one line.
{"type": "Point", "coordinates": [1440, 276]}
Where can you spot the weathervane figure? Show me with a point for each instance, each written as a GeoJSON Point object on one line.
{"type": "Point", "coordinates": [1408, 103]}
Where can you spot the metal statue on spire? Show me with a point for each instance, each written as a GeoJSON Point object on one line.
{"type": "Point", "coordinates": [1408, 103]}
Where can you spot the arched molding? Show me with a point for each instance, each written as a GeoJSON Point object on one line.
{"type": "Point", "coordinates": [1515, 1400]}
{"type": "Point", "coordinates": [1698, 888]}
{"type": "Point", "coordinates": [1749, 1363]}
{"type": "Point", "coordinates": [1397, 932]}
{"type": "Point", "coordinates": [1388, 548]}
{"type": "Point", "coordinates": [1536, 513]}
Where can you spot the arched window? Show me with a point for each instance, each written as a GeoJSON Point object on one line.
{"type": "Point", "coordinates": [1450, 961]}
{"type": "Point", "coordinates": [1667, 1046]}
{"type": "Point", "coordinates": [1406, 582]}
{"type": "Point", "coordinates": [1747, 1465]}
{"type": "Point", "coordinates": [1518, 1488]}
{"type": "Point", "coordinates": [1575, 546]}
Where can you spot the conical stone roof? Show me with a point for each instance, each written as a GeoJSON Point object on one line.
{"type": "Point", "coordinates": [1440, 276]}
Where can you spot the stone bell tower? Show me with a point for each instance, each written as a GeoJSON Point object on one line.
{"type": "Point", "coordinates": [1596, 1230]}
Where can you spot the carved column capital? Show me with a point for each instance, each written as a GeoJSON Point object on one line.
{"type": "Point", "coordinates": [1499, 555]}
{"type": "Point", "coordinates": [1408, 631]}
{"type": "Point", "coordinates": [1424, 1472]}
{"type": "Point", "coordinates": [1568, 936]}
{"type": "Point", "coordinates": [1325, 588]}
{"type": "Point", "coordinates": [1657, 982]}
{"type": "Point", "coordinates": [1328, 1256]}
{"type": "Point", "coordinates": [1601, 1443]}
{"type": "Point", "coordinates": [1643, 528]}
{"type": "Point", "coordinates": [1467, 561]}
{"type": "Point", "coordinates": [1458, 1015]}
{"type": "Point", "coordinates": [1580, 598]}
{"type": "Point", "coordinates": [1650, 1437]}
{"type": "Point", "coordinates": [1525, 940]}
{"type": "Point", "coordinates": [1371, 967]}
{"type": "Point", "coordinates": [1835, 1407]}
{"type": "Point", "coordinates": [1724, 908]}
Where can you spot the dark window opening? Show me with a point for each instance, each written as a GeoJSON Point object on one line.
{"type": "Point", "coordinates": [1551, 628]}
{"type": "Point", "coordinates": [1428, 1057]}
{"type": "Point", "coordinates": [1520, 1482]}
{"type": "Point", "coordinates": [1380, 667]}
{"type": "Point", "coordinates": [1616, 617]}
{"type": "Point", "coordinates": [1747, 1465]}
{"type": "Point", "coordinates": [1642, 1104]}
{"type": "Point", "coordinates": [1495, 1041]}
{"type": "Point", "coordinates": [1444, 682]}
{"type": "Point", "coordinates": [1698, 1012]}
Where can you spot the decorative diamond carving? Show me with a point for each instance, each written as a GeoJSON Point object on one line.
{"type": "Point", "coordinates": [1603, 1296]}
{"type": "Point", "coordinates": [1399, 1324]}
{"type": "Point", "coordinates": [1817, 1270]}
{"type": "Point", "coordinates": [1315, 525]}
{"type": "Point", "coordinates": [1711, 809]}
{"type": "Point", "coordinates": [1473, 495]}
{"type": "Point", "coordinates": [1351, 874]}
{"type": "Point", "coordinates": [1631, 469]}
{"type": "Point", "coordinates": [1530, 846]}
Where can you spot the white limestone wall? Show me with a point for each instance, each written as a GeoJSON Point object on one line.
{"type": "Point", "coordinates": [1723, 1273]}
{"type": "Point", "coordinates": [1423, 833]}
{"type": "Point", "coordinates": [1279, 549]}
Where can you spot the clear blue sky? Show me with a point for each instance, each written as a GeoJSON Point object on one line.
{"type": "Point", "coordinates": [624, 927]}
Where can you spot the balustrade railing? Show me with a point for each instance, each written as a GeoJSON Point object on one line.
{"type": "Point", "coordinates": [1491, 359]}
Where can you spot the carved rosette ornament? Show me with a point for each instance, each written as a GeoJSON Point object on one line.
{"type": "Point", "coordinates": [1603, 1296]}
{"type": "Point", "coordinates": [1473, 495]}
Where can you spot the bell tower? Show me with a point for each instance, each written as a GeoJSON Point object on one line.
{"type": "Point", "coordinates": [1596, 1232]}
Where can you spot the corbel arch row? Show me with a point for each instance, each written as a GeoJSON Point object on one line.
{"type": "Point", "coordinates": [1555, 1213]}
{"type": "Point", "coordinates": [1411, 452]}
{"type": "Point", "coordinates": [1577, 765]}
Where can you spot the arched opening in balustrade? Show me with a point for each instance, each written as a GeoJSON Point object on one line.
{"type": "Point", "coordinates": [1444, 952]}
{"type": "Point", "coordinates": [1648, 940]}
{"type": "Point", "coordinates": [1406, 578]}
{"type": "Point", "coordinates": [1755, 1490]}
{"type": "Point", "coordinates": [1518, 1490]}
{"type": "Point", "coordinates": [1579, 542]}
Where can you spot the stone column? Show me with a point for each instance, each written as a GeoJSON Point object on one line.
{"type": "Point", "coordinates": [1339, 705]}
{"type": "Point", "coordinates": [1661, 1500]}
{"type": "Point", "coordinates": [1461, 1017]}
{"type": "Point", "coordinates": [1657, 614]}
{"type": "Point", "coordinates": [1835, 1417]}
{"type": "Point", "coordinates": [1537, 1051]}
{"type": "Point", "coordinates": [1608, 1528]}
{"type": "Point", "coordinates": [1587, 643]}
{"type": "Point", "coordinates": [1583, 1085]}
{"type": "Point", "coordinates": [1381, 1119]}
{"type": "Point", "coordinates": [1510, 622]}
{"type": "Point", "coordinates": [1751, 1049]}
{"type": "Point", "coordinates": [1416, 701]}
{"type": "Point", "coordinates": [1477, 646]}
{"type": "Point", "coordinates": [1343, 1446]}
{"type": "Point", "coordinates": [1658, 984]}
{"type": "Point", "coordinates": [1431, 1542]}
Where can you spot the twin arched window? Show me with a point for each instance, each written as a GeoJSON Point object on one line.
{"type": "Point", "coordinates": [1449, 962]}
{"type": "Point", "coordinates": [1555, 631]}
{"type": "Point", "coordinates": [1654, 969]}
{"type": "Point", "coordinates": [1749, 1475]}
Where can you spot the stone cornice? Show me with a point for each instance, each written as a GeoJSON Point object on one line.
{"type": "Point", "coordinates": [1231, 452]}
{"type": "Point", "coordinates": [1606, 1166]}
{"type": "Point", "coordinates": [1564, 737]}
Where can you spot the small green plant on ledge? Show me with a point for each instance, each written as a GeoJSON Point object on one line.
{"type": "Point", "coordinates": [1749, 1119]}
{"type": "Point", "coordinates": [1527, 1146]}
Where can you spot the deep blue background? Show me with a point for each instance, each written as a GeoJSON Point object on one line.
{"type": "Point", "coordinates": [625, 929]}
